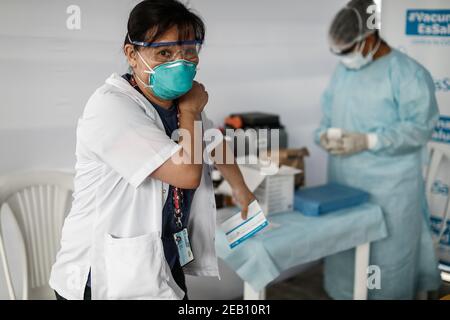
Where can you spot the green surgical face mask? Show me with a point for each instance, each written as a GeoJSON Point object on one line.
{"type": "Point", "coordinates": [170, 80]}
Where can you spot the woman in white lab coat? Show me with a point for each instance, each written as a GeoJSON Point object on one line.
{"type": "Point", "coordinates": [140, 217]}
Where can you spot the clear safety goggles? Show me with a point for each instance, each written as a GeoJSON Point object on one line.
{"type": "Point", "coordinates": [170, 51]}
{"type": "Point", "coordinates": [354, 47]}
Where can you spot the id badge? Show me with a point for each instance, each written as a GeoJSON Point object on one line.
{"type": "Point", "coordinates": [184, 247]}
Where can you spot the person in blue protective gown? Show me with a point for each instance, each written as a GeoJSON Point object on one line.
{"type": "Point", "coordinates": [384, 104]}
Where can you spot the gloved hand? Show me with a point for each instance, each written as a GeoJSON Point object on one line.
{"type": "Point", "coordinates": [324, 142]}
{"type": "Point", "coordinates": [329, 144]}
{"type": "Point", "coordinates": [351, 143]}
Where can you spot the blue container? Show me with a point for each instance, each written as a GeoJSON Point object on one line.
{"type": "Point", "coordinates": [316, 201]}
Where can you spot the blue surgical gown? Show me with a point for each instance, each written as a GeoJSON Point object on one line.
{"type": "Point", "coordinates": [394, 97]}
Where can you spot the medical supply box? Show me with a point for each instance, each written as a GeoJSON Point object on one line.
{"type": "Point", "coordinates": [276, 192]}
{"type": "Point", "coordinates": [316, 201]}
{"type": "Point", "coordinates": [274, 189]}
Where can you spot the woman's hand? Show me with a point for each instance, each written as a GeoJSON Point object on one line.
{"type": "Point", "coordinates": [195, 100]}
{"type": "Point", "coordinates": [243, 197]}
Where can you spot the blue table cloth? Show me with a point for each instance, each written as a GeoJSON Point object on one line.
{"type": "Point", "coordinates": [297, 240]}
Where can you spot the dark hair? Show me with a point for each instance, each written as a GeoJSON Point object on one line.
{"type": "Point", "coordinates": [150, 19]}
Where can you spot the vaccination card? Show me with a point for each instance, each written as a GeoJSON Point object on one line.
{"type": "Point", "coordinates": [238, 230]}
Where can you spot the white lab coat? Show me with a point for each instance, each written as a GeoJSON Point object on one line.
{"type": "Point", "coordinates": [114, 226]}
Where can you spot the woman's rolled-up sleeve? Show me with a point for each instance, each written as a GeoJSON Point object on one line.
{"type": "Point", "coordinates": [119, 132]}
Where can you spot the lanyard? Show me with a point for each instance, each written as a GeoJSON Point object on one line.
{"type": "Point", "coordinates": [177, 203]}
{"type": "Point", "coordinates": [178, 193]}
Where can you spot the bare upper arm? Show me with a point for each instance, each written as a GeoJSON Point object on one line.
{"type": "Point", "coordinates": [186, 176]}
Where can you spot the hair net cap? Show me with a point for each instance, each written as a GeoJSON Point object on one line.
{"type": "Point", "coordinates": [350, 25]}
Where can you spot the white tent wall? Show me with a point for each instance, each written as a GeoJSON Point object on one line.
{"type": "Point", "coordinates": [260, 55]}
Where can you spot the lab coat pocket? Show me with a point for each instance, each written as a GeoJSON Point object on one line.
{"type": "Point", "coordinates": [135, 268]}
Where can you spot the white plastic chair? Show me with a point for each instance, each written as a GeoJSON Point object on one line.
{"type": "Point", "coordinates": [39, 202]}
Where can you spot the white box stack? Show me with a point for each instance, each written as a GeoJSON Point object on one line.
{"type": "Point", "coordinates": [275, 192]}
